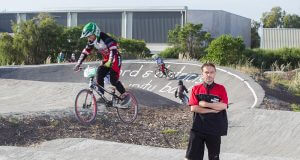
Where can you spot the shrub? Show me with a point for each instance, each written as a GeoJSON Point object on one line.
{"type": "Point", "coordinates": [132, 48]}
{"type": "Point", "coordinates": [295, 107]}
{"type": "Point", "coordinates": [265, 59]}
{"type": "Point", "coordinates": [225, 50]}
{"type": "Point", "coordinates": [8, 54]}
{"type": "Point", "coordinates": [171, 52]}
{"type": "Point", "coordinates": [37, 38]}
{"type": "Point", "coordinates": [70, 42]}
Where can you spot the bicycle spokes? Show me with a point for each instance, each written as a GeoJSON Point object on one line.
{"type": "Point", "coordinates": [128, 112]}
{"type": "Point", "coordinates": [85, 106]}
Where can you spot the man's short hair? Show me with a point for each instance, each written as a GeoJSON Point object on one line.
{"type": "Point", "coordinates": [208, 65]}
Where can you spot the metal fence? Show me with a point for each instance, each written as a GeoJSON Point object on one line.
{"type": "Point", "coordinates": [275, 38]}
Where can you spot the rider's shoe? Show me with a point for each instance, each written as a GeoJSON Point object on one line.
{"type": "Point", "coordinates": [125, 101]}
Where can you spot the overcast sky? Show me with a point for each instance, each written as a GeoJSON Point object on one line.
{"type": "Point", "coordinates": [252, 9]}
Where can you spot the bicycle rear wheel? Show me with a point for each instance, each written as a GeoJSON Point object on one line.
{"type": "Point", "coordinates": [129, 113]}
{"type": "Point", "coordinates": [158, 73]}
{"type": "Point", "coordinates": [85, 107]}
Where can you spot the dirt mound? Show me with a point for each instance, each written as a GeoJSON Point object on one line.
{"type": "Point", "coordinates": [160, 126]}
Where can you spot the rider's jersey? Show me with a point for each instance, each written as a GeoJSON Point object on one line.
{"type": "Point", "coordinates": [209, 123]}
{"type": "Point", "coordinates": [159, 61]}
{"type": "Point", "coordinates": [107, 47]}
{"type": "Point", "coordinates": [105, 44]}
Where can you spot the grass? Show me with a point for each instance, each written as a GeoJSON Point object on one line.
{"type": "Point", "coordinates": [247, 67]}
{"type": "Point", "coordinates": [275, 80]}
{"type": "Point", "coordinates": [291, 83]}
{"type": "Point", "coordinates": [169, 131]}
{"type": "Point", "coordinates": [54, 123]}
{"type": "Point", "coordinates": [295, 107]}
{"type": "Point", "coordinates": [294, 84]}
{"type": "Point", "coordinates": [185, 139]}
{"type": "Point", "coordinates": [14, 122]}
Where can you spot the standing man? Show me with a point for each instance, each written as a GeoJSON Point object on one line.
{"type": "Point", "coordinates": [208, 102]}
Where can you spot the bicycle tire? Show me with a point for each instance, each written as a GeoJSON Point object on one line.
{"type": "Point", "coordinates": [185, 100]}
{"type": "Point", "coordinates": [158, 73]}
{"type": "Point", "coordinates": [128, 115]}
{"type": "Point", "coordinates": [82, 109]}
{"type": "Point", "coordinates": [170, 74]}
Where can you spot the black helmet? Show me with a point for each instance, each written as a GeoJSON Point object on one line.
{"type": "Point", "coordinates": [180, 82]}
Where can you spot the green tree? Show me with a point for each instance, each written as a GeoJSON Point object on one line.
{"type": "Point", "coordinates": [225, 50]}
{"type": "Point", "coordinates": [8, 54]}
{"type": "Point", "coordinates": [255, 39]}
{"type": "Point", "coordinates": [71, 41]}
{"type": "Point", "coordinates": [273, 19]}
{"type": "Point", "coordinates": [190, 39]}
{"type": "Point", "coordinates": [291, 21]}
{"type": "Point", "coordinates": [37, 38]}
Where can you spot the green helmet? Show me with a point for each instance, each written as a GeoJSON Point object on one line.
{"type": "Point", "coordinates": [90, 29]}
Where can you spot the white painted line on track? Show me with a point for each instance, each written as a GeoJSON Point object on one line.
{"type": "Point", "coordinates": [223, 70]}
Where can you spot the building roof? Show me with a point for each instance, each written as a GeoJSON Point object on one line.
{"type": "Point", "coordinates": [104, 9]}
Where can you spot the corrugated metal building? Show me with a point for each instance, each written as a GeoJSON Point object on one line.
{"type": "Point", "coordinates": [219, 22]}
{"type": "Point", "coordinates": [275, 38]}
{"type": "Point", "coordinates": [151, 25]}
{"type": "Point", "coordinates": [5, 21]}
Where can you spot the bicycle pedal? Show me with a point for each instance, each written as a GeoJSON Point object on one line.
{"type": "Point", "coordinates": [109, 104]}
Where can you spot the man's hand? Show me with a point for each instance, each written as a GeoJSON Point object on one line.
{"type": "Point", "coordinates": [202, 103]}
{"type": "Point", "coordinates": [219, 106]}
{"type": "Point", "coordinates": [202, 110]}
{"type": "Point", "coordinates": [108, 64]}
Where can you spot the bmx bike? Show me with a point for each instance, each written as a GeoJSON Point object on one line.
{"type": "Point", "coordinates": [86, 105]}
{"type": "Point", "coordinates": [159, 73]}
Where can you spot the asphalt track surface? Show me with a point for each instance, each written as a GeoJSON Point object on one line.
{"type": "Point", "coordinates": [254, 134]}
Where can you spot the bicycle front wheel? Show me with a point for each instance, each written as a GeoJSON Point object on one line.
{"type": "Point", "coordinates": [85, 107]}
{"type": "Point", "coordinates": [158, 73]}
{"type": "Point", "coordinates": [128, 113]}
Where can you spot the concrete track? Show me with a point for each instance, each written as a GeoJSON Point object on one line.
{"type": "Point", "coordinates": [254, 134]}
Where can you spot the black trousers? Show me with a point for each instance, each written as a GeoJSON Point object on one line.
{"type": "Point", "coordinates": [195, 150]}
{"type": "Point", "coordinates": [114, 80]}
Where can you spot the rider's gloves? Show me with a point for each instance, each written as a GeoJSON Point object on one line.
{"type": "Point", "coordinates": [108, 64]}
{"type": "Point", "coordinates": [77, 67]}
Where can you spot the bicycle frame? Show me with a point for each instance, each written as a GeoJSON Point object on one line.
{"type": "Point", "coordinates": [94, 86]}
